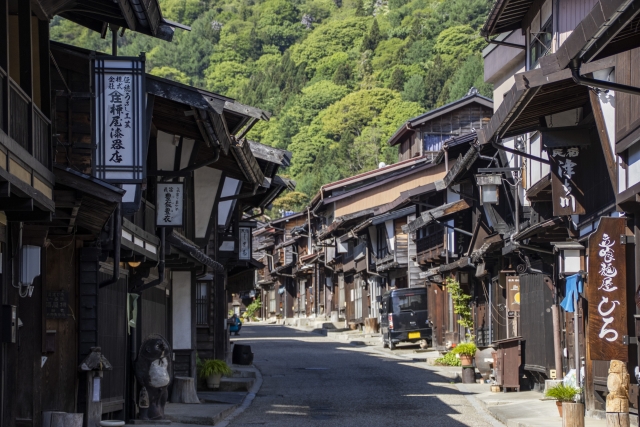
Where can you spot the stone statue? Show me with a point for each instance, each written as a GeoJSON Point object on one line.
{"type": "Point", "coordinates": [618, 386]}
{"type": "Point", "coordinates": [153, 373]}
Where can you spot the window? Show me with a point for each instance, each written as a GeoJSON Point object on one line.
{"type": "Point", "coordinates": [382, 249]}
{"type": "Point", "coordinates": [540, 42]}
{"type": "Point", "coordinates": [202, 314]}
{"type": "Point", "coordinates": [432, 142]}
{"type": "Point", "coordinates": [409, 302]}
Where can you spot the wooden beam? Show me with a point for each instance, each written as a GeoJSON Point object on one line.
{"type": "Point", "coordinates": [536, 78]}
{"type": "Point", "coordinates": [609, 157]}
{"type": "Point", "coordinates": [427, 217]}
{"type": "Point", "coordinates": [16, 205]}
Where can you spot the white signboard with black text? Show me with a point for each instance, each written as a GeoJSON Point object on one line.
{"type": "Point", "coordinates": [118, 119]}
{"type": "Point", "coordinates": [169, 204]}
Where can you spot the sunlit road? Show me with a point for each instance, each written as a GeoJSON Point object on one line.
{"type": "Point", "coordinates": [310, 380]}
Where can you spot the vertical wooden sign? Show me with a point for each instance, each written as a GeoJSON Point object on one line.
{"type": "Point", "coordinates": [568, 197]}
{"type": "Point", "coordinates": [606, 291]}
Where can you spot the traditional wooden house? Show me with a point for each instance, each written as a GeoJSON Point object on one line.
{"type": "Point", "coordinates": [564, 128]}
{"type": "Point", "coordinates": [141, 166]}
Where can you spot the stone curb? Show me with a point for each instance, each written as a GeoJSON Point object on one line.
{"type": "Point", "coordinates": [248, 399]}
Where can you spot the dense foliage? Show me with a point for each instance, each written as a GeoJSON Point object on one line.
{"type": "Point", "coordinates": [339, 76]}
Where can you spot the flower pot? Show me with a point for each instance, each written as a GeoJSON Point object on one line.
{"type": "Point", "coordinates": [559, 405]}
{"type": "Point", "coordinates": [213, 381]}
{"type": "Point", "coordinates": [466, 360]}
{"type": "Point", "coordinates": [572, 414]}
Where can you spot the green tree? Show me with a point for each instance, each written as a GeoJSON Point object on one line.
{"type": "Point", "coordinates": [371, 40]}
{"type": "Point", "coordinates": [414, 89]}
{"type": "Point", "coordinates": [342, 75]}
{"type": "Point", "coordinates": [470, 74]}
{"type": "Point", "coordinates": [397, 80]}
{"type": "Point", "coordinates": [171, 74]}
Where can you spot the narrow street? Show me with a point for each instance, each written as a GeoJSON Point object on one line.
{"type": "Point", "coordinates": [311, 380]}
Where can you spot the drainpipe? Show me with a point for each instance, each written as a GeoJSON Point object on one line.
{"type": "Point", "coordinates": [116, 236]}
{"type": "Point", "coordinates": [601, 84]}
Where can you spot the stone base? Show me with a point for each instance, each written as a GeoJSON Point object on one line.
{"type": "Point", "coordinates": [150, 422]}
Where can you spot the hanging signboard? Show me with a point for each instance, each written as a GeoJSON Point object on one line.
{"type": "Point", "coordinates": [568, 197]}
{"type": "Point", "coordinates": [245, 243]}
{"type": "Point", "coordinates": [169, 204]}
{"type": "Point", "coordinates": [606, 291]}
{"type": "Point", "coordinates": [118, 119]}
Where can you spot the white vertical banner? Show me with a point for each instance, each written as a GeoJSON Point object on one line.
{"type": "Point", "coordinates": [119, 119]}
{"type": "Point", "coordinates": [170, 204]}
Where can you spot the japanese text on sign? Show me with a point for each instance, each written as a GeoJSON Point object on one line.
{"type": "Point", "coordinates": [566, 170]}
{"type": "Point", "coordinates": [118, 115]}
{"type": "Point", "coordinates": [118, 122]}
{"type": "Point", "coordinates": [169, 204]}
{"type": "Point", "coordinates": [56, 305]}
{"type": "Point", "coordinates": [606, 291]}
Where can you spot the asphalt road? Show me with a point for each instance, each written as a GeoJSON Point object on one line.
{"type": "Point", "coordinates": [310, 380]}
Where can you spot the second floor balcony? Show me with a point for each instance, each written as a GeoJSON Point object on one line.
{"type": "Point", "coordinates": [396, 258]}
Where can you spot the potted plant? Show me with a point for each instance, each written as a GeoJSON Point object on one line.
{"type": "Point", "coordinates": [466, 351]}
{"type": "Point", "coordinates": [562, 393]}
{"type": "Point", "coordinates": [213, 370]}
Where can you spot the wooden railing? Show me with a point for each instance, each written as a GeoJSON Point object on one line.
{"type": "Point", "coordinates": [19, 122]}
{"type": "Point", "coordinates": [429, 248]}
{"type": "Point", "coordinates": [28, 126]}
{"type": "Point", "coordinates": [41, 137]}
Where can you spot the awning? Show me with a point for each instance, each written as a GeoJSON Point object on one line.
{"type": "Point", "coordinates": [429, 216]}
{"type": "Point", "coordinates": [505, 15]}
{"type": "Point", "coordinates": [535, 96]}
{"type": "Point", "coordinates": [187, 246]}
{"type": "Point", "coordinates": [141, 242]}
{"type": "Point", "coordinates": [552, 229]}
{"type": "Point", "coordinates": [462, 164]}
{"type": "Point", "coordinates": [285, 244]}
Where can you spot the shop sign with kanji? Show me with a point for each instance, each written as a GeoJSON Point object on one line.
{"type": "Point", "coordinates": [118, 120]}
{"type": "Point", "coordinates": [568, 197]}
{"type": "Point", "coordinates": [169, 204]}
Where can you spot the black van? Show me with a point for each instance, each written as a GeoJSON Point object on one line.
{"type": "Point", "coordinates": [404, 317]}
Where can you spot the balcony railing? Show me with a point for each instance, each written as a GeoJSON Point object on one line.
{"type": "Point", "coordinates": [429, 248]}
{"type": "Point", "coordinates": [28, 126]}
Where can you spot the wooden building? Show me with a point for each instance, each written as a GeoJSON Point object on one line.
{"type": "Point", "coordinates": [110, 263]}
{"type": "Point", "coordinates": [564, 123]}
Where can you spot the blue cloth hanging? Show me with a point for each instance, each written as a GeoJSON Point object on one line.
{"type": "Point", "coordinates": [573, 290]}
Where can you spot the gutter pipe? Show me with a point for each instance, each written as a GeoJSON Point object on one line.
{"type": "Point", "coordinates": [601, 84]}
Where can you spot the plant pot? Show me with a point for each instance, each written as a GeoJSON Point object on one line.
{"type": "Point", "coordinates": [466, 360]}
{"type": "Point", "coordinates": [572, 414]}
{"type": "Point", "coordinates": [559, 405]}
{"type": "Point", "coordinates": [213, 381]}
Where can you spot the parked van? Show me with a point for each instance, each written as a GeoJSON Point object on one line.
{"type": "Point", "coordinates": [404, 317]}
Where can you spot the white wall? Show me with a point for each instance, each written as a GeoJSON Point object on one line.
{"type": "Point", "coordinates": [181, 284]}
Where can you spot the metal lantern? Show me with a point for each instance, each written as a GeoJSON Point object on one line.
{"type": "Point", "coordinates": [489, 189]}
{"type": "Point", "coordinates": [570, 257]}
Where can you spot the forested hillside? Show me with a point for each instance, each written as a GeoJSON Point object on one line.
{"type": "Point", "coordinates": [339, 76]}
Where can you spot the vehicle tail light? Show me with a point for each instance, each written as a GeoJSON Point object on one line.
{"type": "Point", "coordinates": [390, 321]}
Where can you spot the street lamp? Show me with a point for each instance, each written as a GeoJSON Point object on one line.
{"type": "Point", "coordinates": [488, 184]}
{"type": "Point", "coordinates": [570, 257]}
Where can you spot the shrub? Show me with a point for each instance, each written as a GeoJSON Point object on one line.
{"type": "Point", "coordinates": [562, 393]}
{"type": "Point", "coordinates": [465, 349]}
{"type": "Point", "coordinates": [208, 367]}
{"type": "Point", "coordinates": [448, 359]}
